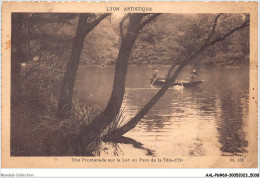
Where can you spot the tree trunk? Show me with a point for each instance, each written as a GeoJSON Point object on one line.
{"type": "Point", "coordinates": [66, 91]}
{"type": "Point", "coordinates": [92, 131]}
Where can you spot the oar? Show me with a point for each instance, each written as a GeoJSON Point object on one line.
{"type": "Point", "coordinates": [154, 79]}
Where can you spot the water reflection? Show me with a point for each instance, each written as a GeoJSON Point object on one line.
{"type": "Point", "coordinates": [127, 140]}
{"type": "Point", "coordinates": [234, 114]}
{"type": "Point", "coordinates": [210, 119]}
{"type": "Point", "coordinates": [232, 136]}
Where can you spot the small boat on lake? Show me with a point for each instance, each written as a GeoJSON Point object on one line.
{"type": "Point", "coordinates": [160, 82]}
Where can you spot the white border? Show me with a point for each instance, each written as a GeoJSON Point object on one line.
{"type": "Point", "coordinates": [196, 172]}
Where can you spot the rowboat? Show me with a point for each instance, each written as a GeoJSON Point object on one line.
{"type": "Point", "coordinates": [160, 82]}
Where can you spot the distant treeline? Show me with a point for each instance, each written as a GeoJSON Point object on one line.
{"type": "Point", "coordinates": [169, 38]}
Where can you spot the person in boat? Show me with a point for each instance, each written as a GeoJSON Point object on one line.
{"type": "Point", "coordinates": [193, 76]}
{"type": "Point", "coordinates": [156, 76]}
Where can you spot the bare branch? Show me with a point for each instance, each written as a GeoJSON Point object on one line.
{"type": "Point", "coordinates": [148, 20]}
{"type": "Point", "coordinates": [93, 24]}
{"type": "Point", "coordinates": [121, 25]}
{"type": "Point", "coordinates": [213, 29]}
{"type": "Point", "coordinates": [245, 24]}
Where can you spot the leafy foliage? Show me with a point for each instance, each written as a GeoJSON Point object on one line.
{"type": "Point", "coordinates": [40, 81]}
{"type": "Point", "coordinates": [173, 37]}
{"type": "Point", "coordinates": [101, 46]}
{"type": "Point", "coordinates": [41, 78]}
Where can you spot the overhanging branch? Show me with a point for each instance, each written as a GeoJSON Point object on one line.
{"type": "Point", "coordinates": [213, 29]}
{"type": "Point", "coordinates": [245, 24]}
{"type": "Point", "coordinates": [148, 20]}
{"type": "Point", "coordinates": [93, 24]}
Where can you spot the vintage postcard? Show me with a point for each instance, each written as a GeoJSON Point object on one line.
{"type": "Point", "coordinates": [129, 85]}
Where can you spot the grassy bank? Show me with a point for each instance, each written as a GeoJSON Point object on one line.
{"type": "Point", "coordinates": [35, 131]}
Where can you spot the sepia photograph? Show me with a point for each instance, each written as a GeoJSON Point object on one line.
{"type": "Point", "coordinates": [132, 83]}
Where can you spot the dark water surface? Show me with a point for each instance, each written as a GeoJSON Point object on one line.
{"type": "Point", "coordinates": [210, 119]}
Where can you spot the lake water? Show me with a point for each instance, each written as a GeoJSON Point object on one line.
{"type": "Point", "coordinates": [210, 119]}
